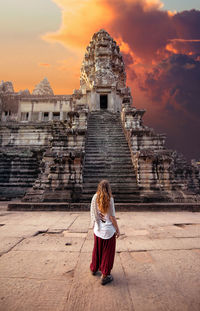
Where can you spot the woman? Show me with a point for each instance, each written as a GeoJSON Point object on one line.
{"type": "Point", "coordinates": [105, 231]}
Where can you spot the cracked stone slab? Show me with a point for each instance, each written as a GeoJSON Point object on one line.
{"type": "Point", "coordinates": [142, 257]}
{"type": "Point", "coordinates": [81, 224]}
{"type": "Point", "coordinates": [161, 244]}
{"type": "Point", "coordinates": [181, 270]}
{"type": "Point", "coordinates": [32, 218]}
{"type": "Point", "coordinates": [33, 295]}
{"type": "Point", "coordinates": [197, 251]}
{"type": "Point", "coordinates": [192, 230]}
{"type": "Point", "coordinates": [154, 285]}
{"type": "Point", "coordinates": [38, 265]}
{"type": "Point", "coordinates": [17, 231]}
{"type": "Point", "coordinates": [7, 243]}
{"type": "Point", "coordinates": [63, 222]}
{"type": "Point", "coordinates": [51, 242]}
{"type": "Point", "coordinates": [69, 234]}
{"type": "Point", "coordinates": [87, 246]}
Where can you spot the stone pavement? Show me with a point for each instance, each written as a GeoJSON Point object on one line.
{"type": "Point", "coordinates": [45, 257]}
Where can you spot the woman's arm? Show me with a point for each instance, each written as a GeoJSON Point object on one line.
{"type": "Point", "coordinates": [114, 222]}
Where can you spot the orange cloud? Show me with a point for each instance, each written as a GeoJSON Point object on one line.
{"type": "Point", "coordinates": [80, 19]}
{"type": "Point", "coordinates": [44, 65]}
{"type": "Point", "coordinates": [183, 46]}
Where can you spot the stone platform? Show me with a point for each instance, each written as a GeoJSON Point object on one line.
{"type": "Point", "coordinates": [45, 257]}
{"type": "Point", "coordinates": [124, 207]}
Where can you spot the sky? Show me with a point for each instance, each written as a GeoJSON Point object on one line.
{"type": "Point", "coordinates": [160, 42]}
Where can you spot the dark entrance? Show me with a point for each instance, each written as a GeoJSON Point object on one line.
{"type": "Point", "coordinates": [103, 101]}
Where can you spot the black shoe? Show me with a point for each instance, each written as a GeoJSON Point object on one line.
{"type": "Point", "coordinates": [106, 280]}
{"type": "Point", "coordinates": [93, 273]}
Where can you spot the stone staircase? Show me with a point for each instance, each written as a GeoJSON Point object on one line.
{"type": "Point", "coordinates": [107, 156]}
{"type": "Point", "coordinates": [18, 171]}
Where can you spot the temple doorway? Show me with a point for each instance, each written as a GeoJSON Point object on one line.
{"type": "Point", "coordinates": [103, 101]}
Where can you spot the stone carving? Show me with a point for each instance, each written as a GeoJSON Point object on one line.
{"type": "Point", "coordinates": [6, 87]}
{"type": "Point", "coordinates": [43, 88]}
{"type": "Point", "coordinates": [103, 63]}
{"type": "Point", "coordinates": [25, 92]}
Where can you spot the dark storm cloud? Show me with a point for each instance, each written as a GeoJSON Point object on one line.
{"type": "Point", "coordinates": [174, 85]}
{"type": "Point", "coordinates": [149, 30]}
{"type": "Point", "coordinates": [187, 24]}
{"type": "Point", "coordinates": [145, 30]}
{"type": "Point", "coordinates": [181, 46]}
{"type": "Point", "coordinates": [129, 61]}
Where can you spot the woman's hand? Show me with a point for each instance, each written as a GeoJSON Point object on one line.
{"type": "Point", "coordinates": [117, 234]}
{"type": "Point", "coordinates": [102, 217]}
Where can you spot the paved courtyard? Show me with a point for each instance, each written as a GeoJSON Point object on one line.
{"type": "Point", "coordinates": [45, 257]}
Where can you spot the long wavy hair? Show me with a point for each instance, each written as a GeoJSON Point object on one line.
{"type": "Point", "coordinates": [104, 195]}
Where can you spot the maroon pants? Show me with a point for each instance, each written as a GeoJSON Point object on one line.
{"type": "Point", "coordinates": [103, 255]}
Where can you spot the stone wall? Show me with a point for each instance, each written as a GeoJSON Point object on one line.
{"type": "Point", "coordinates": [162, 175]}
{"type": "Point", "coordinates": [59, 148]}
{"type": "Point", "coordinates": [19, 168]}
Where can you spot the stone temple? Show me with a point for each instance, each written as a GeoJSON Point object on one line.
{"type": "Point", "coordinates": [56, 148]}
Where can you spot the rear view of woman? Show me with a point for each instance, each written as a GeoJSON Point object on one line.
{"type": "Point", "coordinates": [105, 231]}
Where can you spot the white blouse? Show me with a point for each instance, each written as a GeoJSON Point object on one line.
{"type": "Point", "coordinates": [103, 230]}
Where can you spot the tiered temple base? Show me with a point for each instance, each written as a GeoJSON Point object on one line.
{"type": "Point", "coordinates": [123, 207]}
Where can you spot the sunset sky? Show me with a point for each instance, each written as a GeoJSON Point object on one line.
{"type": "Point", "coordinates": [160, 41]}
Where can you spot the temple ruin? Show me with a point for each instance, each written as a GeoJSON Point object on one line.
{"type": "Point", "coordinates": [56, 148]}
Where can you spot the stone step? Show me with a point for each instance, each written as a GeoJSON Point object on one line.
{"type": "Point", "coordinates": [111, 177]}
{"type": "Point", "coordinates": [106, 161]}
{"type": "Point", "coordinates": [116, 188]}
{"type": "Point", "coordinates": [107, 164]}
{"type": "Point", "coordinates": [111, 156]}
{"type": "Point", "coordinates": [107, 143]}
{"type": "Point", "coordinates": [102, 167]}
{"type": "Point", "coordinates": [15, 172]}
{"type": "Point", "coordinates": [92, 167]}
{"type": "Point", "coordinates": [120, 206]}
{"type": "Point", "coordinates": [8, 160]}
{"type": "Point", "coordinates": [103, 150]}
{"type": "Point", "coordinates": [107, 150]}
{"type": "Point", "coordinates": [108, 135]}
{"type": "Point", "coordinates": [15, 178]}
{"type": "Point", "coordinates": [96, 171]}
{"type": "Point", "coordinates": [121, 199]}
{"type": "Point", "coordinates": [113, 139]}
{"type": "Point", "coordinates": [19, 184]}
{"type": "Point", "coordinates": [119, 177]}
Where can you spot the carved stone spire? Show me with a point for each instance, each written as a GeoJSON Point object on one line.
{"type": "Point", "coordinates": [103, 64]}
{"type": "Point", "coordinates": [6, 87]}
{"type": "Point", "coordinates": [43, 88]}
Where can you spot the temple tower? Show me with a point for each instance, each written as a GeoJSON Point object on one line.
{"type": "Point", "coordinates": [103, 76]}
